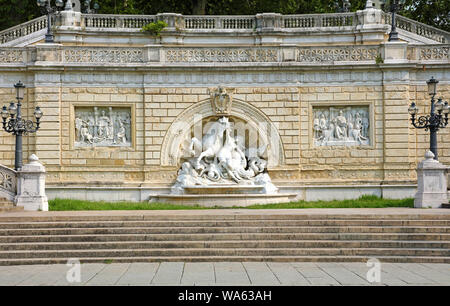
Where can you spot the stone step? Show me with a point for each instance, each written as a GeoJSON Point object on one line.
{"type": "Point", "coordinates": [226, 252]}
{"type": "Point", "coordinates": [386, 259]}
{"type": "Point", "coordinates": [11, 209]}
{"type": "Point", "coordinates": [211, 216]}
{"type": "Point", "coordinates": [223, 244]}
{"type": "Point", "coordinates": [8, 206]}
{"type": "Point", "coordinates": [225, 237]}
{"type": "Point", "coordinates": [226, 223]}
{"type": "Point", "coordinates": [209, 236]}
{"type": "Point", "coordinates": [198, 230]}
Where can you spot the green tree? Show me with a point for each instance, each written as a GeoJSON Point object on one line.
{"type": "Point", "coordinates": [432, 12]}
{"type": "Point", "coordinates": [15, 12]}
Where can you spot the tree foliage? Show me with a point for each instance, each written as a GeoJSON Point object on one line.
{"type": "Point", "coordinates": [432, 12]}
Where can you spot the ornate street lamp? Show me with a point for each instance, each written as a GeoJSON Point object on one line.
{"type": "Point", "coordinates": [87, 7]}
{"type": "Point", "coordinates": [437, 119]}
{"type": "Point", "coordinates": [345, 6]}
{"type": "Point", "coordinates": [394, 7]}
{"type": "Point", "coordinates": [49, 10]}
{"type": "Point", "coordinates": [18, 126]}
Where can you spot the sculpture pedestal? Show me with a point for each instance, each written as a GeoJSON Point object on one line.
{"type": "Point", "coordinates": [31, 186]}
{"type": "Point", "coordinates": [431, 183]}
{"type": "Point", "coordinates": [224, 196]}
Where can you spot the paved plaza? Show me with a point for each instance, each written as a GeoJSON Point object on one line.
{"type": "Point", "coordinates": [226, 274]}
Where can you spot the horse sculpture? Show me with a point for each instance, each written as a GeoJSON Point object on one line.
{"type": "Point", "coordinates": [211, 142]}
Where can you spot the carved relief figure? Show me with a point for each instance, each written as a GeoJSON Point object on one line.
{"type": "Point", "coordinates": [102, 127]}
{"type": "Point", "coordinates": [341, 126]}
{"type": "Point", "coordinates": [78, 126]}
{"type": "Point", "coordinates": [121, 134]}
{"type": "Point", "coordinates": [85, 135]}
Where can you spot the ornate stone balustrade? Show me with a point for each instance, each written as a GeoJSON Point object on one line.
{"type": "Point", "coordinates": [429, 52]}
{"type": "Point", "coordinates": [260, 23]}
{"type": "Point", "coordinates": [219, 22]}
{"type": "Point", "coordinates": [8, 180]}
{"type": "Point", "coordinates": [116, 21]}
{"type": "Point", "coordinates": [418, 28]}
{"type": "Point", "coordinates": [23, 29]}
{"type": "Point", "coordinates": [320, 20]}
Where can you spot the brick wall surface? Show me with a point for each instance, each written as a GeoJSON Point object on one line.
{"type": "Point", "coordinates": [395, 149]}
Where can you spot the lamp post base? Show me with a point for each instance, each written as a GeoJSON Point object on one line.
{"type": "Point", "coordinates": [393, 36]}
{"type": "Point", "coordinates": [49, 38]}
{"type": "Point", "coordinates": [431, 183]}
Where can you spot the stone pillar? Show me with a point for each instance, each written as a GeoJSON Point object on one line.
{"type": "Point", "coordinates": [269, 25]}
{"type": "Point", "coordinates": [370, 25]}
{"type": "Point", "coordinates": [175, 22]}
{"type": "Point", "coordinates": [394, 52]}
{"type": "Point", "coordinates": [175, 25]}
{"type": "Point", "coordinates": [431, 183]}
{"type": "Point", "coordinates": [48, 52]}
{"type": "Point", "coordinates": [269, 22]}
{"type": "Point", "coordinates": [31, 186]}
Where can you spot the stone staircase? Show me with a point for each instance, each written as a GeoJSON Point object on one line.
{"type": "Point", "coordinates": [224, 237]}
{"type": "Point", "coordinates": [6, 205]}
{"type": "Point", "coordinates": [447, 205]}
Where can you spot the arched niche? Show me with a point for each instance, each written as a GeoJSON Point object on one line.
{"type": "Point", "coordinates": [181, 129]}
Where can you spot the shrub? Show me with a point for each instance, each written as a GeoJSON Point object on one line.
{"type": "Point", "coordinates": [154, 28]}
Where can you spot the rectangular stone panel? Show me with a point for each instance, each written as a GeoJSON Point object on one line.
{"type": "Point", "coordinates": [102, 126]}
{"type": "Point", "coordinates": [341, 125]}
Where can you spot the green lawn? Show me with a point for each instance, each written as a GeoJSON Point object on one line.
{"type": "Point", "coordinates": [362, 202]}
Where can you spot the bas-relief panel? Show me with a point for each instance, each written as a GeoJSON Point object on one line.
{"type": "Point", "coordinates": [102, 127]}
{"type": "Point", "coordinates": [341, 126]}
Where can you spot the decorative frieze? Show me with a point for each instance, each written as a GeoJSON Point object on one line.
{"type": "Point", "coordinates": [11, 55]}
{"type": "Point", "coordinates": [341, 125]}
{"type": "Point", "coordinates": [336, 54]}
{"type": "Point", "coordinates": [434, 52]}
{"type": "Point", "coordinates": [189, 55]}
{"type": "Point", "coordinates": [102, 127]}
{"type": "Point", "coordinates": [103, 55]}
